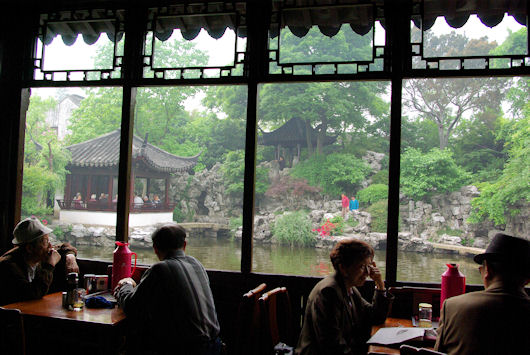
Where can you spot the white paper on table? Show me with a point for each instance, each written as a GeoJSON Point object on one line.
{"type": "Point", "coordinates": [396, 335]}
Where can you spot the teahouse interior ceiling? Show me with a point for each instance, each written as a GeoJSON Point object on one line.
{"type": "Point", "coordinates": [296, 15]}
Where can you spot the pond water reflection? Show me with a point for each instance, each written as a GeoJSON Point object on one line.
{"type": "Point", "coordinates": [278, 259]}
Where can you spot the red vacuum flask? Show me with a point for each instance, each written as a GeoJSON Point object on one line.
{"type": "Point", "coordinates": [453, 283]}
{"type": "Point", "coordinates": [121, 264]}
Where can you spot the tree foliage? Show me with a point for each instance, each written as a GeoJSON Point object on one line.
{"type": "Point", "coordinates": [334, 173]}
{"type": "Point", "coordinates": [234, 172]}
{"type": "Point", "coordinates": [435, 172]}
{"type": "Point", "coordinates": [512, 190]}
{"type": "Point", "coordinates": [446, 102]}
{"type": "Point", "coordinates": [373, 193]}
{"type": "Point", "coordinates": [44, 159]}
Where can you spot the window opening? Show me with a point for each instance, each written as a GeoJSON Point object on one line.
{"type": "Point", "coordinates": [68, 58]}
{"type": "Point", "coordinates": [328, 38]}
{"type": "Point", "coordinates": [196, 26]}
{"type": "Point", "coordinates": [452, 51]}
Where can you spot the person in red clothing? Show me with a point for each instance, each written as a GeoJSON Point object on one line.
{"type": "Point", "coordinates": [345, 205]}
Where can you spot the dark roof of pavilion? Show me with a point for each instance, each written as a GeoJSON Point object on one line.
{"type": "Point", "coordinates": [104, 151]}
{"type": "Point", "coordinates": [290, 134]}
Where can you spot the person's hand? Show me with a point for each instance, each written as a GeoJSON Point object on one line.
{"type": "Point", "coordinates": [71, 263]}
{"type": "Point", "coordinates": [375, 274]}
{"type": "Point", "coordinates": [53, 257]}
{"type": "Point", "coordinates": [124, 281]}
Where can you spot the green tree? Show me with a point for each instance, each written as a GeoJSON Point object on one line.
{"type": "Point", "coordinates": [447, 102]}
{"type": "Point", "coordinates": [159, 111]}
{"type": "Point", "coordinates": [372, 194]}
{"type": "Point", "coordinates": [435, 172]}
{"type": "Point", "coordinates": [330, 108]}
{"type": "Point", "coordinates": [512, 189]}
{"type": "Point", "coordinates": [97, 114]}
{"type": "Point", "coordinates": [477, 148]}
{"type": "Point", "coordinates": [44, 159]}
{"type": "Point", "coordinates": [334, 173]}
{"type": "Point", "coordinates": [234, 172]}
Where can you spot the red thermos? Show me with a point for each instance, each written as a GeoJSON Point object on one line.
{"type": "Point", "coordinates": [121, 264]}
{"type": "Point", "coordinates": [453, 283]}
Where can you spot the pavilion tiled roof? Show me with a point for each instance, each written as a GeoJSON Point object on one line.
{"type": "Point", "coordinates": [104, 151]}
{"type": "Point", "coordinates": [290, 134]}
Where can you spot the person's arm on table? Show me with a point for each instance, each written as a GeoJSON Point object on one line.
{"type": "Point", "coordinates": [131, 297]}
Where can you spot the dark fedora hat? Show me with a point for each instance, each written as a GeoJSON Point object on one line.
{"type": "Point", "coordinates": [508, 249]}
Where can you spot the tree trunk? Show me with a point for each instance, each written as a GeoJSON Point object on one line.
{"type": "Point", "coordinates": [308, 138]}
{"type": "Point", "coordinates": [322, 136]}
{"type": "Point", "coordinates": [443, 136]}
{"type": "Point", "coordinates": [50, 157]}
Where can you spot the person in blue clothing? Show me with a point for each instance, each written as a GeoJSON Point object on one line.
{"type": "Point", "coordinates": [354, 204]}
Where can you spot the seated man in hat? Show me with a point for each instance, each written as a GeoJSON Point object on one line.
{"type": "Point", "coordinates": [496, 320]}
{"type": "Point", "coordinates": [27, 270]}
{"type": "Point", "coordinates": [171, 311]}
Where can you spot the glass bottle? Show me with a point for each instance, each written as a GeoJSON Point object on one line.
{"type": "Point", "coordinates": [425, 315]}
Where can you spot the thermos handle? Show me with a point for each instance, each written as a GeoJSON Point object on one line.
{"type": "Point", "coordinates": [134, 267]}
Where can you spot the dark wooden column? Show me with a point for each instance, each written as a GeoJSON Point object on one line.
{"type": "Point", "coordinates": [135, 23]}
{"type": "Point", "coordinates": [109, 192]}
{"type": "Point", "coordinates": [89, 187]}
{"type": "Point", "coordinates": [131, 191]}
{"type": "Point", "coordinates": [258, 15]}
{"type": "Point", "coordinates": [167, 193]}
{"type": "Point", "coordinates": [68, 189]}
{"type": "Point", "coordinates": [397, 15]}
{"type": "Point", "coordinates": [17, 25]}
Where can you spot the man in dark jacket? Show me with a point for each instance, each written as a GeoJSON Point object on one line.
{"type": "Point", "coordinates": [172, 308]}
{"type": "Point", "coordinates": [493, 321]}
{"type": "Point", "coordinates": [27, 270]}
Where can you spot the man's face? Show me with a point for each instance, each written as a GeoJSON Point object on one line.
{"type": "Point", "coordinates": [39, 251]}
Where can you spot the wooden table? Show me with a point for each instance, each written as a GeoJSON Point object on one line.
{"type": "Point", "coordinates": [390, 322]}
{"type": "Point", "coordinates": [50, 328]}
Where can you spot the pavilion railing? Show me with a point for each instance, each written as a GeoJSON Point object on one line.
{"type": "Point", "coordinates": [101, 205]}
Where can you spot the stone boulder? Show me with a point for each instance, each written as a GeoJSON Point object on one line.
{"type": "Point", "coordinates": [417, 245]}
{"type": "Point", "coordinates": [373, 159]}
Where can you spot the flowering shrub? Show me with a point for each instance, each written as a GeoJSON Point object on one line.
{"type": "Point", "coordinates": [326, 229]}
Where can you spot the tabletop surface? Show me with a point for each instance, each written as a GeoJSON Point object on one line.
{"type": "Point", "coordinates": [51, 306]}
{"type": "Point", "coordinates": [390, 322]}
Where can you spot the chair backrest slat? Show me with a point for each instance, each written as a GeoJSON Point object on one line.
{"type": "Point", "coordinates": [276, 319]}
{"type": "Point", "coordinates": [248, 322]}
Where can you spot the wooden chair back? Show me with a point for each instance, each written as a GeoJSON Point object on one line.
{"type": "Point", "coordinates": [12, 334]}
{"type": "Point", "coordinates": [276, 312]}
{"type": "Point", "coordinates": [248, 322]}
